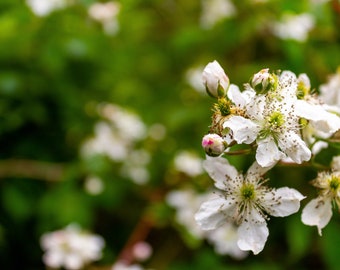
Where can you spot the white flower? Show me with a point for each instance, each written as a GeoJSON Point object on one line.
{"type": "Point", "coordinates": [71, 248]}
{"type": "Point", "coordinates": [186, 203]}
{"type": "Point", "coordinates": [94, 185]}
{"type": "Point", "coordinates": [45, 7]}
{"type": "Point", "coordinates": [214, 11]}
{"type": "Point", "coordinates": [224, 239]}
{"type": "Point", "coordinates": [106, 14]}
{"type": "Point", "coordinates": [330, 92]}
{"type": "Point", "coordinates": [193, 76]}
{"type": "Point", "coordinates": [272, 122]}
{"type": "Point", "coordinates": [215, 80]}
{"type": "Point", "coordinates": [142, 251]}
{"type": "Point", "coordinates": [318, 211]}
{"type": "Point", "coordinates": [246, 202]}
{"type": "Point", "coordinates": [294, 27]}
{"type": "Point", "coordinates": [124, 266]}
{"type": "Point", "coordinates": [188, 163]}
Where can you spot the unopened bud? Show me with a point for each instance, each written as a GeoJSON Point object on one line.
{"type": "Point", "coordinates": [215, 80]}
{"type": "Point", "coordinates": [263, 81]}
{"type": "Point", "coordinates": [213, 144]}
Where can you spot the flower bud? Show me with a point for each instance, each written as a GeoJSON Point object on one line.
{"type": "Point", "coordinates": [263, 81]}
{"type": "Point", "coordinates": [215, 80]}
{"type": "Point", "coordinates": [213, 145]}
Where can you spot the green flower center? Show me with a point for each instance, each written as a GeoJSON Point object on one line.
{"type": "Point", "coordinates": [223, 106]}
{"type": "Point", "coordinates": [276, 120]}
{"type": "Point", "coordinates": [334, 183]}
{"type": "Point", "coordinates": [273, 124]}
{"type": "Point", "coordinates": [248, 192]}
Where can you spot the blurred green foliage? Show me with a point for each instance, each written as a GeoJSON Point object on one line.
{"type": "Point", "coordinates": [56, 69]}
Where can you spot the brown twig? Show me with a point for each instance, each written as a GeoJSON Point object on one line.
{"type": "Point", "coordinates": [139, 233]}
{"type": "Point", "coordinates": [33, 169]}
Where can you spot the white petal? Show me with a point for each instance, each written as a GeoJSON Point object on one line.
{"type": "Point", "coordinates": [256, 170]}
{"type": "Point", "coordinates": [267, 152]}
{"type": "Point", "coordinates": [322, 120]}
{"type": "Point", "coordinates": [213, 213]}
{"type": "Point", "coordinates": [317, 212]}
{"type": "Point", "coordinates": [288, 84]}
{"type": "Point", "coordinates": [220, 170]}
{"type": "Point", "coordinates": [244, 130]}
{"type": "Point", "coordinates": [239, 98]}
{"type": "Point", "coordinates": [252, 236]}
{"type": "Point", "coordinates": [294, 147]}
{"type": "Point", "coordinates": [282, 202]}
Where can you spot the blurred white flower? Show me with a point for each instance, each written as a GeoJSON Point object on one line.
{"type": "Point", "coordinates": [186, 202]}
{"type": "Point", "coordinates": [106, 14]}
{"type": "Point", "coordinates": [106, 141]}
{"type": "Point", "coordinates": [117, 136]}
{"type": "Point", "coordinates": [127, 124]}
{"type": "Point", "coordinates": [224, 239]}
{"type": "Point", "coordinates": [45, 7]}
{"type": "Point", "coordinates": [141, 251]}
{"type": "Point", "coordinates": [214, 11]}
{"type": "Point", "coordinates": [94, 185]}
{"type": "Point", "coordinates": [71, 248]}
{"type": "Point", "coordinates": [188, 163]}
{"type": "Point", "coordinates": [125, 266]}
{"type": "Point", "coordinates": [193, 77]}
{"type": "Point", "coordinates": [245, 201]}
{"type": "Point", "coordinates": [330, 92]}
{"type": "Point", "coordinates": [135, 166]}
{"type": "Point", "coordinates": [294, 27]}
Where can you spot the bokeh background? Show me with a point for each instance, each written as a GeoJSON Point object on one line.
{"type": "Point", "coordinates": [102, 114]}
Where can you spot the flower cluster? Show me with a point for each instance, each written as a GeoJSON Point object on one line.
{"type": "Point", "coordinates": [280, 119]}
{"type": "Point", "coordinates": [118, 136]}
{"type": "Point", "coordinates": [71, 248]}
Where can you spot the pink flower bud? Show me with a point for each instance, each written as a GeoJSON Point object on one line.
{"type": "Point", "coordinates": [213, 144]}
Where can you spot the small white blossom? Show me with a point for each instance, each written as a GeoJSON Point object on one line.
{"type": "Point", "coordinates": [215, 80]}
{"type": "Point", "coordinates": [294, 27]}
{"type": "Point", "coordinates": [318, 211]}
{"type": "Point", "coordinates": [193, 76]}
{"type": "Point", "coordinates": [94, 185]}
{"type": "Point", "coordinates": [45, 7]}
{"type": "Point", "coordinates": [188, 163]}
{"type": "Point", "coordinates": [214, 11]}
{"type": "Point", "coordinates": [246, 201]}
{"type": "Point", "coordinates": [186, 203]}
{"type": "Point", "coordinates": [141, 251]}
{"type": "Point", "coordinates": [71, 248]}
{"type": "Point", "coordinates": [106, 14]}
{"type": "Point", "coordinates": [224, 239]}
{"type": "Point", "coordinates": [124, 266]}
{"type": "Point", "coordinates": [330, 92]}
